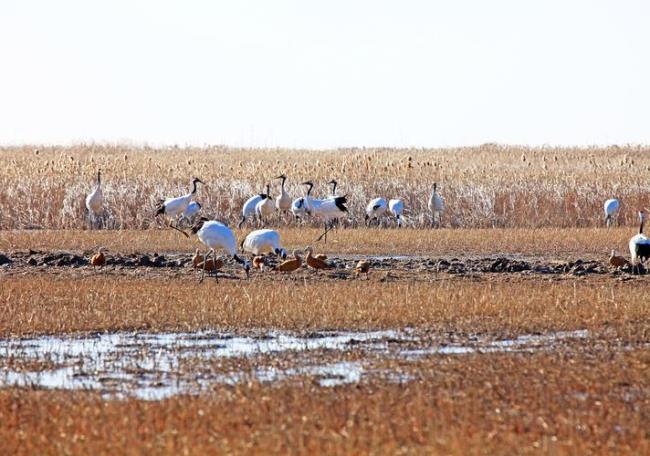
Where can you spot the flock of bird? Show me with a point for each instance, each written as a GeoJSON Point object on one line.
{"type": "Point", "coordinates": [216, 235]}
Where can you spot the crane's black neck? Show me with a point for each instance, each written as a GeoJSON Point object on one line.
{"type": "Point", "coordinates": [284, 178]}
{"type": "Point", "coordinates": [193, 187]}
{"type": "Point", "coordinates": [198, 225]}
{"type": "Point", "coordinates": [334, 187]}
{"type": "Point", "coordinates": [311, 186]}
{"type": "Point", "coordinates": [268, 191]}
{"type": "Point", "coordinates": [99, 177]}
{"type": "Point", "coordinates": [641, 226]}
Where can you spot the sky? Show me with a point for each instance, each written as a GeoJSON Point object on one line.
{"type": "Point", "coordinates": [324, 74]}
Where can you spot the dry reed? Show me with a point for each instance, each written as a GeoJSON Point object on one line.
{"type": "Point", "coordinates": [486, 186]}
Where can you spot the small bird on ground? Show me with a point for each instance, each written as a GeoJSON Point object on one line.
{"type": "Point", "coordinates": [258, 262]}
{"type": "Point", "coordinates": [197, 259]}
{"type": "Point", "coordinates": [211, 265]}
{"type": "Point", "coordinates": [362, 267]}
{"type": "Point", "coordinates": [314, 262]}
{"type": "Point", "coordinates": [98, 259]}
{"type": "Point", "coordinates": [617, 261]}
{"type": "Point", "coordinates": [291, 264]}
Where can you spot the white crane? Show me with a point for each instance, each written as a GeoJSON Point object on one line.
{"type": "Point", "coordinates": [330, 210]}
{"type": "Point", "coordinates": [301, 206]}
{"type": "Point", "coordinates": [262, 241]}
{"type": "Point", "coordinates": [639, 245]}
{"type": "Point", "coordinates": [265, 207]}
{"type": "Point", "coordinates": [283, 201]}
{"type": "Point", "coordinates": [436, 206]}
{"type": "Point", "coordinates": [611, 207]}
{"type": "Point", "coordinates": [175, 207]}
{"type": "Point", "coordinates": [375, 209]}
{"type": "Point", "coordinates": [192, 210]}
{"type": "Point", "coordinates": [215, 235]}
{"type": "Point", "coordinates": [248, 210]}
{"type": "Point", "coordinates": [396, 207]}
{"type": "Point", "coordinates": [95, 200]}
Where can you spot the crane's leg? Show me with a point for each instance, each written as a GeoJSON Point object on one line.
{"type": "Point", "coordinates": [205, 260]}
{"type": "Point", "coordinates": [324, 233]}
{"type": "Point", "coordinates": [172, 226]}
{"type": "Point", "coordinates": [214, 262]}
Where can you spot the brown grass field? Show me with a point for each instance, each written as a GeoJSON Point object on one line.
{"type": "Point", "coordinates": [553, 243]}
{"type": "Point", "coordinates": [590, 396]}
{"type": "Point", "coordinates": [46, 304]}
{"type": "Point", "coordinates": [592, 403]}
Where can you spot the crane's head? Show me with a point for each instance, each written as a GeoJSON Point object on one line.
{"type": "Point", "coordinates": [641, 216]}
{"type": "Point", "coordinates": [197, 180]}
{"type": "Point", "coordinates": [244, 264]}
{"type": "Point", "coordinates": [198, 224]}
{"type": "Point", "coordinates": [435, 187]}
{"type": "Point", "coordinates": [332, 182]}
{"type": "Point", "coordinates": [281, 176]}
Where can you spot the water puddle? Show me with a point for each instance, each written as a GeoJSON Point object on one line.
{"type": "Point", "coordinates": [154, 366]}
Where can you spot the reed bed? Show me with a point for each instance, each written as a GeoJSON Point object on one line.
{"type": "Point", "coordinates": [483, 187]}
{"type": "Point", "coordinates": [52, 305]}
{"type": "Point", "coordinates": [591, 402]}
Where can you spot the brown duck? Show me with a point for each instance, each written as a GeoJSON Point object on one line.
{"type": "Point", "coordinates": [291, 264]}
{"type": "Point", "coordinates": [98, 259]}
{"type": "Point", "coordinates": [362, 267]}
{"type": "Point", "coordinates": [315, 263]}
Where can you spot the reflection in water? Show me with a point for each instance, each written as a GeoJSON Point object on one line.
{"type": "Point", "coordinates": [154, 365]}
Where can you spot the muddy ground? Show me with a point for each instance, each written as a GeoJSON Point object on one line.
{"type": "Point", "coordinates": [383, 268]}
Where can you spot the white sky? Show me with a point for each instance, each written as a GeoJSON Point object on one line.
{"type": "Point", "coordinates": [325, 74]}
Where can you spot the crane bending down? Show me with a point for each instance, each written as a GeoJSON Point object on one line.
{"type": "Point", "coordinates": [639, 246]}
{"type": "Point", "coordinates": [262, 241]}
{"type": "Point", "coordinates": [396, 207]}
{"type": "Point", "coordinates": [215, 235]}
{"type": "Point", "coordinates": [375, 209]}
{"type": "Point", "coordinates": [611, 207]}
{"type": "Point", "coordinates": [175, 207]}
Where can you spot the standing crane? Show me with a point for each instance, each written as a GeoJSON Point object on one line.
{"type": "Point", "coordinates": [283, 201]}
{"type": "Point", "coordinates": [176, 207]}
{"type": "Point", "coordinates": [95, 201]}
{"type": "Point", "coordinates": [436, 206]}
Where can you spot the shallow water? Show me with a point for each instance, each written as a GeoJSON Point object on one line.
{"type": "Point", "coordinates": [155, 365]}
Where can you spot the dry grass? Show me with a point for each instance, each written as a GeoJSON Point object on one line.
{"type": "Point", "coordinates": [548, 242]}
{"type": "Point", "coordinates": [487, 186]}
{"type": "Point", "coordinates": [593, 402]}
{"type": "Point", "coordinates": [46, 304]}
